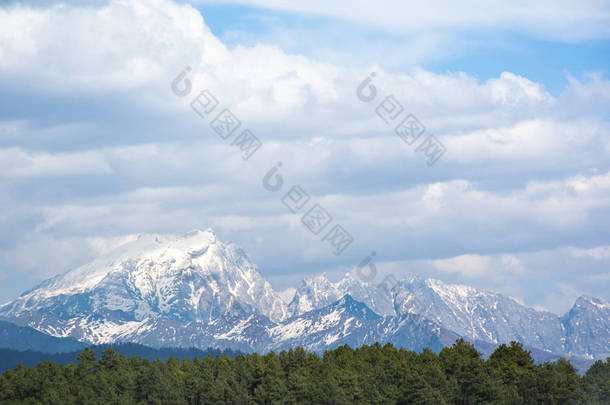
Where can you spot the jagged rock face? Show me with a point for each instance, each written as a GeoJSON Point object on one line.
{"type": "Point", "coordinates": [195, 291]}
{"type": "Point", "coordinates": [345, 321]}
{"type": "Point", "coordinates": [587, 327]}
{"type": "Point", "coordinates": [193, 278]}
{"type": "Point", "coordinates": [477, 315]}
{"type": "Point", "coordinates": [319, 292]}
{"type": "Point", "coordinates": [313, 294]}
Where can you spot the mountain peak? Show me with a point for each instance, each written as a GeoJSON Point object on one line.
{"type": "Point", "coordinates": [588, 327]}
{"type": "Point", "coordinates": [347, 299]}
{"type": "Point", "coordinates": [194, 277]}
{"type": "Point", "coordinates": [320, 279]}
{"type": "Point", "coordinates": [196, 290]}
{"type": "Point", "coordinates": [352, 306]}
{"type": "Point", "coordinates": [208, 234]}
{"type": "Point", "coordinates": [588, 301]}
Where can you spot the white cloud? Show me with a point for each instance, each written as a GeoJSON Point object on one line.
{"type": "Point", "coordinates": [477, 266]}
{"type": "Point", "coordinates": [600, 253]}
{"type": "Point", "coordinates": [562, 296]}
{"type": "Point", "coordinates": [546, 141]}
{"type": "Point", "coordinates": [44, 256]}
{"type": "Point", "coordinates": [564, 20]}
{"type": "Point", "coordinates": [523, 170]}
{"type": "Point", "coordinates": [15, 162]}
{"type": "Point", "coordinates": [121, 45]}
{"type": "Point", "coordinates": [138, 48]}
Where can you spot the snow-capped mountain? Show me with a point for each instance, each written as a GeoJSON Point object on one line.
{"type": "Point", "coordinates": [190, 278]}
{"type": "Point", "coordinates": [477, 315]}
{"type": "Point", "coordinates": [319, 292]}
{"type": "Point", "coordinates": [344, 321]}
{"type": "Point", "coordinates": [195, 291]}
{"type": "Point", "coordinates": [587, 327]}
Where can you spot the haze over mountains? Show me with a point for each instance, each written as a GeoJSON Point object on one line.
{"type": "Point", "coordinates": [196, 291]}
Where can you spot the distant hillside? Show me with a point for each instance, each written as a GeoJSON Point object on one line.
{"type": "Point", "coordinates": [25, 338]}
{"type": "Point", "coordinates": [10, 358]}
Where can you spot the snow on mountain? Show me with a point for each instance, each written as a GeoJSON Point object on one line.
{"type": "Point", "coordinates": [313, 293]}
{"type": "Point", "coordinates": [587, 327]}
{"type": "Point", "coordinates": [189, 278]}
{"type": "Point", "coordinates": [24, 338]}
{"type": "Point", "coordinates": [344, 321]}
{"type": "Point", "coordinates": [195, 291]}
{"type": "Point", "coordinates": [318, 292]}
{"type": "Point", "coordinates": [347, 321]}
{"type": "Point", "coordinates": [287, 295]}
{"type": "Point", "coordinates": [477, 314]}
{"type": "Point", "coordinates": [417, 331]}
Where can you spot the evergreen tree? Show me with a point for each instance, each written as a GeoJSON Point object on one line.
{"type": "Point", "coordinates": [367, 375]}
{"type": "Point", "coordinates": [597, 381]}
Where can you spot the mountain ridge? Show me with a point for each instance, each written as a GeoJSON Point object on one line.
{"type": "Point", "coordinates": [196, 291]}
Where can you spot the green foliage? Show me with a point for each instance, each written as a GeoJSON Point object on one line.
{"type": "Point", "coordinates": [368, 375]}
{"type": "Point", "coordinates": [597, 382]}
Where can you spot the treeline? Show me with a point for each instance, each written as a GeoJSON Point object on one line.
{"type": "Point", "coordinates": [368, 375]}
{"type": "Point", "coordinates": [9, 358]}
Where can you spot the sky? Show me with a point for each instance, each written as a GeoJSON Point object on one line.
{"type": "Point", "coordinates": [99, 139]}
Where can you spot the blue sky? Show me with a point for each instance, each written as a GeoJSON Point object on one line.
{"type": "Point", "coordinates": [95, 147]}
{"type": "Point", "coordinates": [483, 54]}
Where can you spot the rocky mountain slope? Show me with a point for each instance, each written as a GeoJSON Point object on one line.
{"type": "Point", "coordinates": [25, 338]}
{"type": "Point", "coordinates": [195, 291]}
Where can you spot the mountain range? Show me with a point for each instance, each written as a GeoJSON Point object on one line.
{"type": "Point", "coordinates": [196, 291]}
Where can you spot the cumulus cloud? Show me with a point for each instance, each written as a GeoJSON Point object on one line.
{"type": "Point", "coordinates": [599, 253]}
{"type": "Point", "coordinates": [476, 266]}
{"type": "Point", "coordinates": [94, 147]}
{"type": "Point", "coordinates": [16, 162]}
